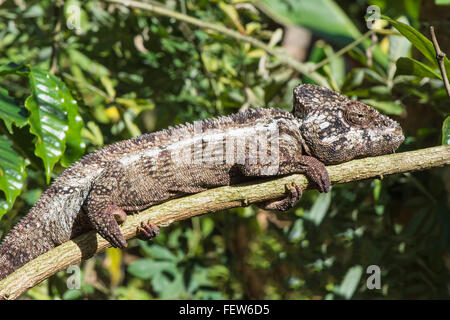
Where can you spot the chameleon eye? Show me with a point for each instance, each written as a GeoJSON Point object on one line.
{"type": "Point", "coordinates": [356, 113]}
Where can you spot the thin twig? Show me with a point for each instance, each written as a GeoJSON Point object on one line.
{"type": "Point", "coordinates": [86, 245]}
{"type": "Point", "coordinates": [348, 47]}
{"type": "Point", "coordinates": [279, 54]}
{"type": "Point", "coordinates": [440, 59]}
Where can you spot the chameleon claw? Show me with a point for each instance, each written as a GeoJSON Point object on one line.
{"type": "Point", "coordinates": [147, 231]}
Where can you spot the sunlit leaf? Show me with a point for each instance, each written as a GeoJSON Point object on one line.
{"type": "Point", "coordinates": [350, 283]}
{"type": "Point", "coordinates": [419, 41]}
{"type": "Point", "coordinates": [52, 112]}
{"type": "Point", "coordinates": [316, 15]}
{"type": "Point", "coordinates": [232, 14]}
{"type": "Point", "coordinates": [12, 174]}
{"type": "Point", "coordinates": [11, 112]}
{"type": "Point", "coordinates": [13, 68]}
{"type": "Point", "coordinates": [409, 66]}
{"type": "Point", "coordinates": [319, 208]}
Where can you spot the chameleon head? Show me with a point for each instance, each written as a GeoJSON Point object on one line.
{"type": "Point", "coordinates": [337, 129]}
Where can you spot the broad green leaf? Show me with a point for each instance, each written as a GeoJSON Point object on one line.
{"type": "Point", "coordinates": [387, 107]}
{"type": "Point", "coordinates": [158, 252]}
{"type": "Point", "coordinates": [52, 113]}
{"type": "Point", "coordinates": [350, 283]}
{"type": "Point", "coordinates": [399, 46]}
{"type": "Point", "coordinates": [314, 15]}
{"type": "Point", "coordinates": [12, 174]}
{"type": "Point", "coordinates": [142, 268]}
{"type": "Point", "coordinates": [148, 268]}
{"type": "Point", "coordinates": [200, 278]}
{"type": "Point", "coordinates": [446, 131]}
{"type": "Point", "coordinates": [419, 41]}
{"type": "Point", "coordinates": [11, 112]}
{"type": "Point", "coordinates": [72, 294]}
{"type": "Point", "coordinates": [168, 287]}
{"type": "Point", "coordinates": [409, 66]}
{"type": "Point", "coordinates": [319, 208]}
{"type": "Point", "coordinates": [324, 17]}
{"type": "Point", "coordinates": [13, 68]}
{"type": "Point", "coordinates": [442, 2]}
{"type": "Point", "coordinates": [74, 143]}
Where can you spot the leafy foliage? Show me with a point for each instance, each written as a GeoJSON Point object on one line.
{"type": "Point", "coordinates": [85, 74]}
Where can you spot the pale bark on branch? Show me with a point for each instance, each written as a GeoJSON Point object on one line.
{"type": "Point", "coordinates": [86, 245]}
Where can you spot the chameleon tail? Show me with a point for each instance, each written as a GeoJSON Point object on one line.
{"type": "Point", "coordinates": [25, 242]}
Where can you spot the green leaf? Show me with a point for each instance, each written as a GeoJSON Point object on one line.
{"type": "Point", "coordinates": [387, 107]}
{"type": "Point", "coordinates": [13, 68]}
{"type": "Point", "coordinates": [296, 232]}
{"type": "Point", "coordinates": [200, 278]}
{"type": "Point", "coordinates": [12, 174]}
{"type": "Point", "coordinates": [74, 142]}
{"type": "Point", "coordinates": [158, 252]}
{"type": "Point", "coordinates": [399, 46]}
{"type": "Point", "coordinates": [148, 268]}
{"type": "Point", "coordinates": [409, 66]}
{"type": "Point", "coordinates": [350, 283]}
{"type": "Point", "coordinates": [335, 68]}
{"type": "Point", "coordinates": [419, 41]}
{"type": "Point", "coordinates": [168, 288]}
{"type": "Point", "coordinates": [446, 131]}
{"type": "Point", "coordinates": [207, 226]}
{"type": "Point", "coordinates": [232, 14]}
{"type": "Point", "coordinates": [442, 2]}
{"type": "Point", "coordinates": [316, 15]}
{"type": "Point", "coordinates": [11, 112]}
{"type": "Point", "coordinates": [53, 114]}
{"type": "Point", "coordinates": [319, 208]}
{"type": "Point", "coordinates": [84, 62]}
{"type": "Point", "coordinates": [132, 293]}
{"type": "Point", "coordinates": [72, 294]}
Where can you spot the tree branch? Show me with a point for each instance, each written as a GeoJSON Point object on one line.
{"type": "Point", "coordinates": [440, 59]}
{"type": "Point", "coordinates": [86, 245]}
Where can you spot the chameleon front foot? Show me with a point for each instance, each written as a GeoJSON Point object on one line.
{"type": "Point", "coordinates": [104, 221]}
{"type": "Point", "coordinates": [148, 231]}
{"type": "Point", "coordinates": [317, 172]}
{"type": "Point", "coordinates": [286, 203]}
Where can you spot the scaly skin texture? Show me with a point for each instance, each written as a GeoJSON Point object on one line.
{"type": "Point", "coordinates": [102, 188]}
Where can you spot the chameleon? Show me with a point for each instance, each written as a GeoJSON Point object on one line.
{"type": "Point", "coordinates": [102, 188]}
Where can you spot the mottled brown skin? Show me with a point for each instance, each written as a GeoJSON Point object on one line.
{"type": "Point", "coordinates": [102, 188]}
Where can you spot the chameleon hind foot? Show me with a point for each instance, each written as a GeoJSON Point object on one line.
{"type": "Point", "coordinates": [286, 203]}
{"type": "Point", "coordinates": [147, 231]}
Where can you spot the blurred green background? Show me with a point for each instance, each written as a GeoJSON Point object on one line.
{"type": "Point", "coordinates": [116, 72]}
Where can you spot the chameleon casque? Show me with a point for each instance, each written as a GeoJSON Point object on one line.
{"type": "Point", "coordinates": [99, 190]}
